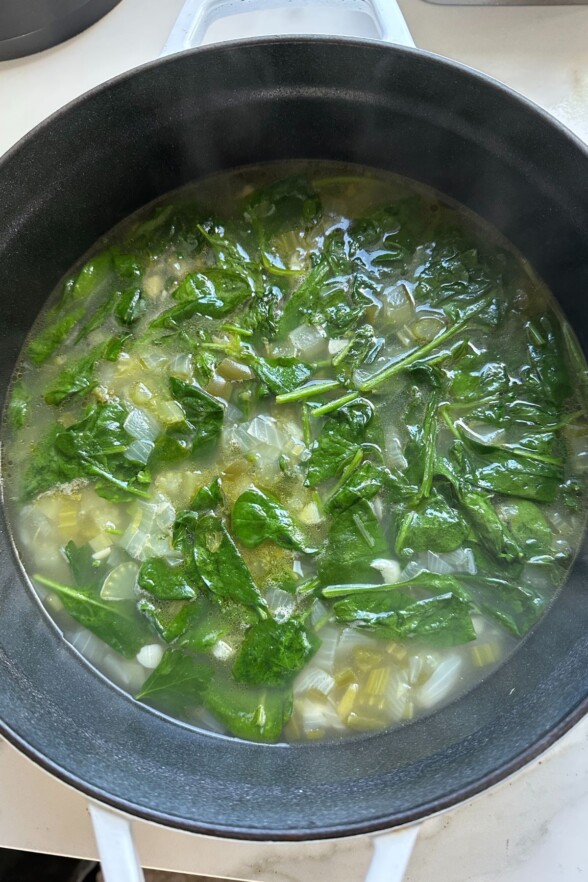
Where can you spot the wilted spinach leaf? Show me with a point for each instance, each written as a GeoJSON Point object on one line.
{"type": "Point", "coordinates": [163, 581]}
{"type": "Point", "coordinates": [178, 683]}
{"type": "Point", "coordinates": [116, 622]}
{"type": "Point", "coordinates": [272, 653]}
{"type": "Point", "coordinates": [355, 540]}
{"type": "Point", "coordinates": [257, 516]}
{"type": "Point", "coordinates": [252, 714]}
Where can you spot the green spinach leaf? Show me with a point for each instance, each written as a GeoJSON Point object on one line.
{"type": "Point", "coordinates": [252, 714]}
{"type": "Point", "coordinates": [163, 581]}
{"type": "Point", "coordinates": [433, 526]}
{"type": "Point", "coordinates": [272, 653]}
{"type": "Point", "coordinates": [178, 684]}
{"type": "Point", "coordinates": [257, 516]}
{"type": "Point", "coordinates": [355, 540]}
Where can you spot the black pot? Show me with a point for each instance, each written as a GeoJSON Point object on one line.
{"type": "Point", "coordinates": [175, 121]}
{"type": "Point", "coordinates": [28, 26]}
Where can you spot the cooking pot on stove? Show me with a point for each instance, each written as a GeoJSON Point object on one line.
{"type": "Point", "coordinates": [177, 120]}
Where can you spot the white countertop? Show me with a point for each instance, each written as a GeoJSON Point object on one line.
{"type": "Point", "coordinates": [532, 827]}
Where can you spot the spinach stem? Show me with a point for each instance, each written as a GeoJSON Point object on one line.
{"type": "Point", "coordinates": [416, 354]}
{"type": "Point", "coordinates": [430, 438]}
{"type": "Point", "coordinates": [330, 406]}
{"type": "Point", "coordinates": [316, 387]}
{"type": "Point", "coordinates": [341, 590]}
{"type": "Point", "coordinates": [347, 471]}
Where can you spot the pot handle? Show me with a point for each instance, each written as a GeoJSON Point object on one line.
{"type": "Point", "coordinates": [196, 16]}
{"type": "Point", "coordinates": [391, 854]}
{"type": "Point", "coordinates": [116, 848]}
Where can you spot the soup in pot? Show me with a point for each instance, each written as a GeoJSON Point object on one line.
{"type": "Point", "coordinates": [298, 452]}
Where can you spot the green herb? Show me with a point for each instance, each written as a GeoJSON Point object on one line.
{"type": "Point", "coordinates": [92, 448]}
{"type": "Point", "coordinates": [257, 516]}
{"type": "Point", "coordinates": [252, 714]}
{"type": "Point", "coordinates": [217, 560]}
{"type": "Point", "coordinates": [281, 375]}
{"type": "Point", "coordinates": [163, 581]}
{"type": "Point", "coordinates": [272, 653]}
{"type": "Point", "coordinates": [78, 379]}
{"type": "Point", "coordinates": [285, 205]}
{"type": "Point", "coordinates": [529, 528]}
{"type": "Point", "coordinates": [355, 540]}
{"type": "Point", "coordinates": [19, 405]}
{"type": "Point", "coordinates": [340, 440]}
{"type": "Point", "coordinates": [178, 684]}
{"type": "Point", "coordinates": [203, 424]}
{"type": "Point", "coordinates": [433, 526]}
{"type": "Point", "coordinates": [114, 622]}
{"type": "Point", "coordinates": [516, 607]}
{"type": "Point", "coordinates": [53, 335]}
{"type": "Point", "coordinates": [443, 620]}
{"type": "Point", "coordinates": [214, 292]}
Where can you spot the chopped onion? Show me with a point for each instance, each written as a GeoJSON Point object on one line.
{"type": "Point", "coordinates": [350, 640]}
{"type": "Point", "coordinates": [441, 682]}
{"type": "Point", "coordinates": [141, 425]}
{"type": "Point", "coordinates": [412, 569]}
{"type": "Point", "coordinates": [396, 457]}
{"type": "Point", "coordinates": [264, 429]}
{"type": "Point", "coordinates": [219, 387]}
{"type": "Point", "coordinates": [152, 285]}
{"type": "Point", "coordinates": [141, 394]}
{"type": "Point", "coordinates": [319, 615]}
{"type": "Point", "coordinates": [483, 434]}
{"type": "Point", "coordinates": [420, 668]}
{"type": "Point", "coordinates": [181, 366]}
{"type": "Point", "coordinates": [282, 349]}
{"type": "Point", "coordinates": [280, 604]}
{"type": "Point", "coordinates": [337, 344]}
{"type": "Point", "coordinates": [396, 698]}
{"type": "Point", "coordinates": [460, 561]}
{"type": "Point", "coordinates": [165, 513]}
{"type": "Point", "coordinates": [139, 451]}
{"type": "Point", "coordinates": [310, 514]}
{"type": "Point", "coordinates": [308, 341]}
{"type": "Point", "coordinates": [128, 674]}
{"type": "Point", "coordinates": [222, 650]}
{"type": "Point", "coordinates": [149, 656]}
{"type": "Point", "coordinates": [297, 568]}
{"type": "Point", "coordinates": [479, 625]}
{"type": "Point", "coordinates": [579, 449]}
{"type": "Point", "coordinates": [170, 413]}
{"type": "Point", "coordinates": [137, 535]}
{"type": "Point", "coordinates": [389, 569]}
{"type": "Point", "coordinates": [88, 645]}
{"type": "Point", "coordinates": [316, 716]}
{"type": "Point", "coordinates": [325, 655]}
{"type": "Point", "coordinates": [154, 361]}
{"type": "Point", "coordinates": [427, 328]}
{"type": "Point", "coordinates": [100, 542]}
{"type": "Point", "coordinates": [205, 719]}
{"type": "Point", "coordinates": [313, 679]}
{"type": "Point", "coordinates": [234, 371]}
{"type": "Point", "coordinates": [398, 304]}
{"type": "Point", "coordinates": [34, 526]}
{"type": "Point", "coordinates": [119, 584]}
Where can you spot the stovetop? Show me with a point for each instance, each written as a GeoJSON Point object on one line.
{"type": "Point", "coordinates": [530, 828]}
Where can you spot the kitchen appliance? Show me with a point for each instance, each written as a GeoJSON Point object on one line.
{"type": "Point", "coordinates": [264, 84]}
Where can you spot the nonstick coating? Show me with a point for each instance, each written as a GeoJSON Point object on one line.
{"type": "Point", "coordinates": [175, 121]}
